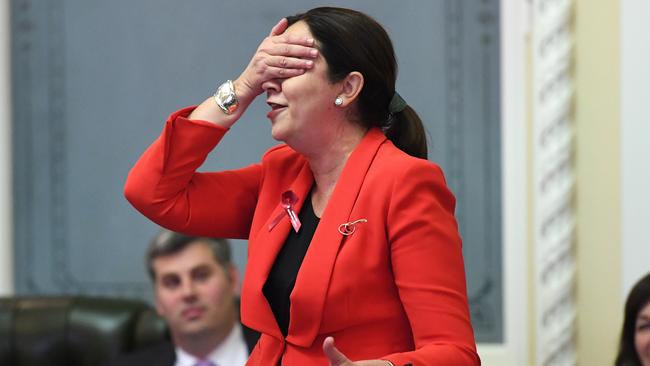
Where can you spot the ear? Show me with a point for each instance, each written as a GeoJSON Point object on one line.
{"type": "Point", "coordinates": [159, 308]}
{"type": "Point", "coordinates": [233, 275]}
{"type": "Point", "coordinates": [351, 87]}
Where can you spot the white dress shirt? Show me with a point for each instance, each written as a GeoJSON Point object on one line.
{"type": "Point", "coordinates": [233, 351]}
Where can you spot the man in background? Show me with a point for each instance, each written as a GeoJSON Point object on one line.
{"type": "Point", "coordinates": [196, 287]}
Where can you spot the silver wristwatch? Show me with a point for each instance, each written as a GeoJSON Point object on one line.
{"type": "Point", "coordinates": [226, 98]}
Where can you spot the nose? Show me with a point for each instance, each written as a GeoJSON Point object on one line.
{"type": "Point", "coordinates": [188, 290]}
{"type": "Point", "coordinates": [272, 85]}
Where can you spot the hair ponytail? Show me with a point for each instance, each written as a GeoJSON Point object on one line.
{"type": "Point", "coordinates": [406, 131]}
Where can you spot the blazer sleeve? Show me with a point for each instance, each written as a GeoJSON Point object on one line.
{"type": "Point", "coordinates": [428, 267]}
{"type": "Point", "coordinates": [164, 185]}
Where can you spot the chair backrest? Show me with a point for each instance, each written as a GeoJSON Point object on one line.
{"type": "Point", "coordinates": [74, 330]}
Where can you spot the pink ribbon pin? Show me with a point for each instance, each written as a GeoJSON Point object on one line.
{"type": "Point", "coordinates": [288, 201]}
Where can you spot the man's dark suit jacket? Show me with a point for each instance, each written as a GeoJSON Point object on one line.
{"type": "Point", "coordinates": [163, 354]}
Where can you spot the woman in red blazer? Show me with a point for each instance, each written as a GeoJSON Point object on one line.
{"type": "Point", "coordinates": [373, 261]}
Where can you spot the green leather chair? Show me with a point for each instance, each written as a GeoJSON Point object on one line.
{"type": "Point", "coordinates": [74, 330]}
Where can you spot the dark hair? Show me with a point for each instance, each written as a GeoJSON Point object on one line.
{"type": "Point", "coordinates": [352, 41]}
{"type": "Point", "coordinates": [638, 298]}
{"type": "Point", "coordinates": [169, 242]}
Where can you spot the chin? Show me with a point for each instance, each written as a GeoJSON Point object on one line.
{"type": "Point", "coordinates": [276, 137]}
{"type": "Point", "coordinates": [196, 330]}
{"type": "Point", "coordinates": [278, 134]}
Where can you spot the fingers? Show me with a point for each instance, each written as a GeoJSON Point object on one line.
{"type": "Point", "coordinates": [291, 50]}
{"type": "Point", "coordinates": [281, 73]}
{"type": "Point", "coordinates": [296, 45]}
{"type": "Point", "coordinates": [278, 36]}
{"type": "Point", "coordinates": [280, 55]}
{"type": "Point", "coordinates": [279, 28]}
{"type": "Point", "coordinates": [334, 356]}
{"type": "Point", "coordinates": [273, 67]}
{"type": "Point", "coordinates": [289, 62]}
{"type": "Point", "coordinates": [283, 61]}
{"type": "Point", "coordinates": [299, 39]}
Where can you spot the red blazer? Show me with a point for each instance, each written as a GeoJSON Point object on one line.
{"type": "Point", "coordinates": [393, 290]}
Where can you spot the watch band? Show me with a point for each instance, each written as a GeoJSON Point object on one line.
{"type": "Point", "coordinates": [226, 98]}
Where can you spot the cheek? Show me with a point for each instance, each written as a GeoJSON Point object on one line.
{"type": "Point", "coordinates": [164, 303]}
{"type": "Point", "coordinates": [312, 107]}
{"type": "Point", "coordinates": [642, 341]}
{"type": "Point", "coordinates": [219, 292]}
{"type": "Point", "coordinates": [304, 92]}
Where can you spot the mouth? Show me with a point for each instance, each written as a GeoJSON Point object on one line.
{"type": "Point", "coordinates": [275, 106]}
{"type": "Point", "coordinates": [193, 312]}
{"type": "Point", "coordinates": [275, 109]}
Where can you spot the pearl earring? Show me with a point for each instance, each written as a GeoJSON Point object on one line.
{"type": "Point", "coordinates": [338, 101]}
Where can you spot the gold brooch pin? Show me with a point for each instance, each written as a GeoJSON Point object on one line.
{"type": "Point", "coordinates": [348, 228]}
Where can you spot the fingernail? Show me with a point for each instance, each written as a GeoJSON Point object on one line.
{"type": "Point", "coordinates": [313, 52]}
{"type": "Point", "coordinates": [309, 63]}
{"type": "Point", "coordinates": [310, 40]}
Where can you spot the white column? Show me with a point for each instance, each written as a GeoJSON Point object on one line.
{"type": "Point", "coordinates": [635, 141]}
{"type": "Point", "coordinates": [553, 183]}
{"type": "Point", "coordinates": [6, 208]}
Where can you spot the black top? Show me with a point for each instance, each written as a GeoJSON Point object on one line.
{"type": "Point", "coordinates": [283, 275]}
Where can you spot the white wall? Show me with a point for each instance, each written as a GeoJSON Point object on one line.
{"type": "Point", "coordinates": [6, 244]}
{"type": "Point", "coordinates": [635, 140]}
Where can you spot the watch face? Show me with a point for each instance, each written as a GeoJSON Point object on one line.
{"type": "Point", "coordinates": [226, 98]}
{"type": "Point", "coordinates": [224, 92]}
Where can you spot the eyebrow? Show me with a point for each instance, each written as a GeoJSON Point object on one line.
{"type": "Point", "coordinates": [167, 276]}
{"type": "Point", "coordinates": [191, 270]}
{"type": "Point", "coordinates": [200, 267]}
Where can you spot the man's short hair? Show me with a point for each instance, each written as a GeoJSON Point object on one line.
{"type": "Point", "coordinates": [168, 242]}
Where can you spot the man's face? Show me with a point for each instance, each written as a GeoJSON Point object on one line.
{"type": "Point", "coordinates": [194, 293]}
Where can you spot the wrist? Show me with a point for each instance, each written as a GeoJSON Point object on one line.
{"type": "Point", "coordinates": [244, 92]}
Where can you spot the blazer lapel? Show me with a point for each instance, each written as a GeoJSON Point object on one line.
{"type": "Point", "coordinates": [256, 311]}
{"type": "Point", "coordinates": [308, 296]}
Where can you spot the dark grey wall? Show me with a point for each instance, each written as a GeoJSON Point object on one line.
{"type": "Point", "coordinates": [94, 80]}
